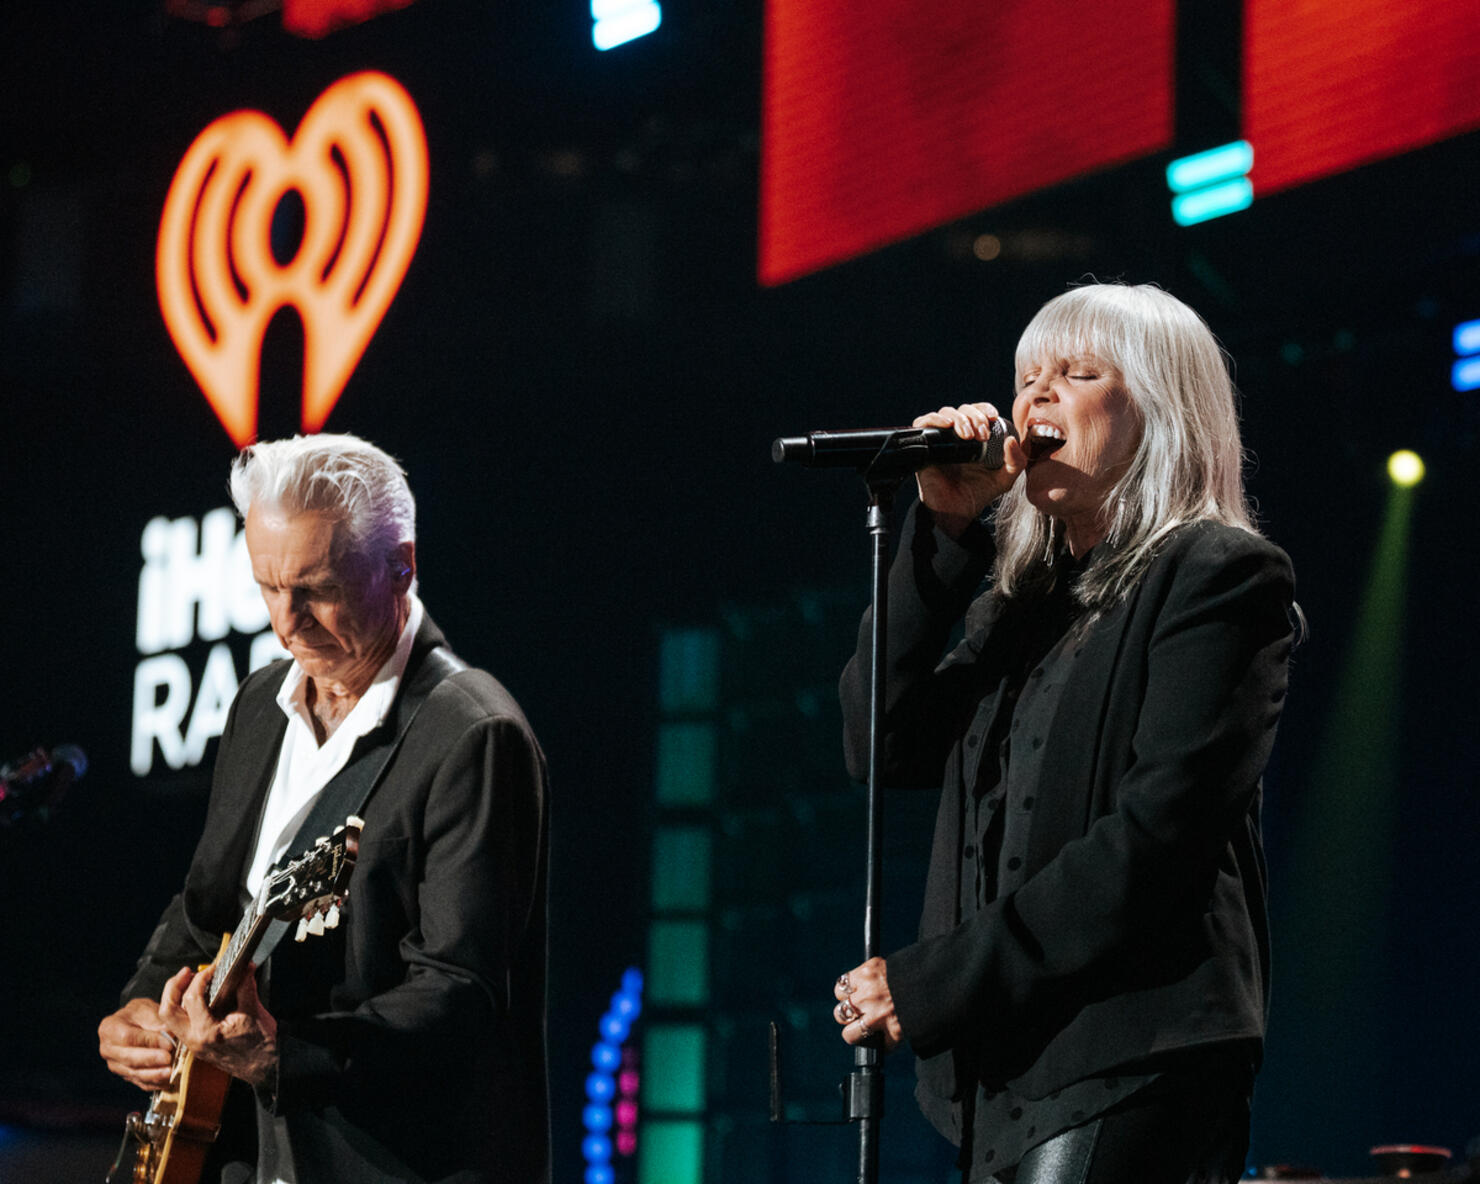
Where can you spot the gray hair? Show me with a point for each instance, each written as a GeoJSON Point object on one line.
{"type": "Point", "coordinates": [1188, 465]}
{"type": "Point", "coordinates": [347, 478]}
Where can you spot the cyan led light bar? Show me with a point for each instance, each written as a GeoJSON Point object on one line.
{"type": "Point", "coordinates": [1212, 183]}
{"type": "Point", "coordinates": [1188, 209]}
{"type": "Point", "coordinates": [621, 21]}
{"type": "Point", "coordinates": [1206, 168]}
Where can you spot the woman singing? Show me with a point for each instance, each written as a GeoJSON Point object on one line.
{"type": "Point", "coordinates": [1087, 995]}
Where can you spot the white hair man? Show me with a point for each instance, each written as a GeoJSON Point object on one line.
{"type": "Point", "coordinates": [409, 1043]}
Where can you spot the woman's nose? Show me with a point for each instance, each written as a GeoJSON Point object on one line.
{"type": "Point", "coordinates": [1038, 391]}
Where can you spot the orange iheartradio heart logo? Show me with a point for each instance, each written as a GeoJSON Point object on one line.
{"type": "Point", "coordinates": [359, 163]}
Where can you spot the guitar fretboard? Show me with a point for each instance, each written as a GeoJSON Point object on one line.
{"type": "Point", "coordinates": [243, 941]}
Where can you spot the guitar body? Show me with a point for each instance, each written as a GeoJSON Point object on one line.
{"type": "Point", "coordinates": [169, 1142]}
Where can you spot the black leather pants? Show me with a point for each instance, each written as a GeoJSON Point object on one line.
{"type": "Point", "coordinates": [1179, 1131]}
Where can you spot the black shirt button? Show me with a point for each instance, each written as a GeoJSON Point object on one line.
{"type": "Point", "coordinates": [1028, 802]}
{"type": "Point", "coordinates": [988, 1155]}
{"type": "Point", "coordinates": [1037, 742]}
{"type": "Point", "coordinates": [1014, 863]}
{"type": "Point", "coordinates": [969, 851]}
{"type": "Point", "coordinates": [971, 741]}
{"type": "Point", "coordinates": [1015, 1113]}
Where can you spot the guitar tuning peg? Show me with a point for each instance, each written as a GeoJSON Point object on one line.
{"type": "Point", "coordinates": [321, 841]}
{"type": "Point", "coordinates": [316, 924]}
{"type": "Point", "coordinates": [354, 820]}
{"type": "Point", "coordinates": [302, 929]}
{"type": "Point", "coordinates": [331, 918]}
{"type": "Point", "coordinates": [339, 830]}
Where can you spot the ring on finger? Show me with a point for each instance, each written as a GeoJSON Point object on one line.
{"type": "Point", "coordinates": [847, 1011]}
{"type": "Point", "coordinates": [863, 1028]}
{"type": "Point", "coordinates": [844, 985]}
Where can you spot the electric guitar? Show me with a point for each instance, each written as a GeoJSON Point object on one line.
{"type": "Point", "coordinates": [168, 1143]}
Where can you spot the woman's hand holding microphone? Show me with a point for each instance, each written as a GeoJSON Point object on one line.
{"type": "Point", "coordinates": [959, 494]}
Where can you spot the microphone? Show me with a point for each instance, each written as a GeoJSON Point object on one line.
{"type": "Point", "coordinates": [32, 784]}
{"type": "Point", "coordinates": [885, 452]}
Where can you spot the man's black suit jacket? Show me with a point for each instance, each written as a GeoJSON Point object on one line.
{"type": "Point", "coordinates": [1141, 926]}
{"type": "Point", "coordinates": [412, 1037]}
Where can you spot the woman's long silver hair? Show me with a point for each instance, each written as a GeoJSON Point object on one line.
{"type": "Point", "coordinates": [1188, 465]}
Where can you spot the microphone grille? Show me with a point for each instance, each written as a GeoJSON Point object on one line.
{"type": "Point", "coordinates": [992, 449]}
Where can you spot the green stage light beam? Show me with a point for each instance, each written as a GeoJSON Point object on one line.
{"type": "Point", "coordinates": [1333, 911]}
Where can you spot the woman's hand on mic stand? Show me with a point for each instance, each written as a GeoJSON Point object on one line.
{"type": "Point", "coordinates": [958, 494]}
{"type": "Point", "coordinates": [865, 1008]}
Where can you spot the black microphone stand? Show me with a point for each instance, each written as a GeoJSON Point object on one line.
{"type": "Point", "coordinates": [863, 1091]}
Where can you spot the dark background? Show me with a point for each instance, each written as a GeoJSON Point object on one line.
{"type": "Point", "coordinates": [582, 379]}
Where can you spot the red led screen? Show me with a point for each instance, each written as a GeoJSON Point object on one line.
{"type": "Point", "coordinates": [1332, 84]}
{"type": "Point", "coordinates": [883, 118]}
{"type": "Point", "coordinates": [318, 18]}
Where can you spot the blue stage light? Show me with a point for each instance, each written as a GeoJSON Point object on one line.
{"type": "Point", "coordinates": [606, 1056]}
{"type": "Point", "coordinates": [597, 1115]}
{"type": "Point", "coordinates": [1467, 338]}
{"type": "Point", "coordinates": [1465, 374]}
{"type": "Point", "coordinates": [596, 1148]}
{"type": "Point", "coordinates": [614, 1028]}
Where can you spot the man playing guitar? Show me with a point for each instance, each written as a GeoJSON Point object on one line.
{"type": "Point", "coordinates": [408, 1043]}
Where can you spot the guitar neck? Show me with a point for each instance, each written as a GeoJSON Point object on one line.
{"type": "Point", "coordinates": [232, 962]}
{"type": "Point", "coordinates": [308, 889]}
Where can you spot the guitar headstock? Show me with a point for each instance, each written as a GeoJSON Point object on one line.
{"type": "Point", "coordinates": [313, 884]}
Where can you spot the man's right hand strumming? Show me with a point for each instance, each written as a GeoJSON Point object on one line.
{"type": "Point", "coordinates": [133, 1043]}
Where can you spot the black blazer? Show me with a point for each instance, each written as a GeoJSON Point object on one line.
{"type": "Point", "coordinates": [1141, 926]}
{"type": "Point", "coordinates": [411, 1038]}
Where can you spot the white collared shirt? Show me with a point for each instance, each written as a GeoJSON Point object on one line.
{"type": "Point", "coordinates": [304, 767]}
